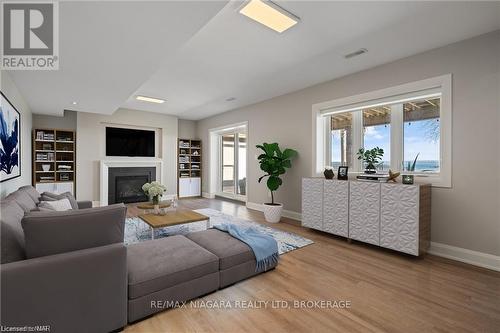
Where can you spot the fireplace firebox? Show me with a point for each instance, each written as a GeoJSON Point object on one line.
{"type": "Point", "coordinates": [125, 184]}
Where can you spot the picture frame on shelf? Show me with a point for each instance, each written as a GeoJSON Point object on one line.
{"type": "Point", "coordinates": [342, 173]}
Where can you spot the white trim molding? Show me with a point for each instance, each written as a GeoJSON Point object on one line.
{"type": "Point", "coordinates": [436, 86]}
{"type": "Point", "coordinates": [286, 213]}
{"type": "Point", "coordinates": [106, 164]}
{"type": "Point", "coordinates": [208, 195]}
{"type": "Point", "coordinates": [475, 258]}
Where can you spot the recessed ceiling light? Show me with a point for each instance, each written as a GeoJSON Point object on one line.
{"type": "Point", "coordinates": [149, 99]}
{"type": "Point", "coordinates": [74, 103]}
{"type": "Point", "coordinates": [269, 14]}
{"type": "Point", "coordinates": [230, 99]}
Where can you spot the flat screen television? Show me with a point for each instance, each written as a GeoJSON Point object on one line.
{"type": "Point", "coordinates": [129, 142]}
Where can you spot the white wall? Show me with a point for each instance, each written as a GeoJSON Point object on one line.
{"type": "Point", "coordinates": [187, 129]}
{"type": "Point", "coordinates": [10, 90]}
{"type": "Point", "coordinates": [90, 148]}
{"type": "Point", "coordinates": [465, 216]}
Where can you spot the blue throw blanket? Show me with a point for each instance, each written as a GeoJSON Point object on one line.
{"type": "Point", "coordinates": [264, 247]}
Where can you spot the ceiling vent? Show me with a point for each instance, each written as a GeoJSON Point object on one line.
{"type": "Point", "coordinates": [355, 53]}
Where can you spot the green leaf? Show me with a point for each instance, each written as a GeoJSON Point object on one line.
{"type": "Point", "coordinates": [289, 153]}
{"type": "Point", "coordinates": [273, 183]}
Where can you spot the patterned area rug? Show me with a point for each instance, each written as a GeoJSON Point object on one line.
{"type": "Point", "coordinates": [136, 230]}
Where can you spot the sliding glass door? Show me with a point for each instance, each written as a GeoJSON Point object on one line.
{"type": "Point", "coordinates": [233, 165]}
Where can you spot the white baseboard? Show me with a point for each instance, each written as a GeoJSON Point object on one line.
{"type": "Point", "coordinates": [475, 258]}
{"type": "Point", "coordinates": [286, 213]}
{"type": "Point", "coordinates": [208, 195]}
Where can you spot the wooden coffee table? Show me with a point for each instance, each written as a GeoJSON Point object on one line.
{"type": "Point", "coordinates": [174, 217]}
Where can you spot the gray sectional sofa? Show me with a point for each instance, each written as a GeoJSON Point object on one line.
{"type": "Point", "coordinates": [70, 270]}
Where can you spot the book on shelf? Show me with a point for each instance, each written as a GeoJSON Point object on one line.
{"type": "Point", "coordinates": [64, 167]}
{"type": "Point", "coordinates": [373, 177]}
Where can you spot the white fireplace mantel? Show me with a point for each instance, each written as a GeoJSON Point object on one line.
{"type": "Point", "coordinates": [125, 163]}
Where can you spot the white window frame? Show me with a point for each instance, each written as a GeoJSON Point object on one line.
{"type": "Point", "coordinates": [389, 96]}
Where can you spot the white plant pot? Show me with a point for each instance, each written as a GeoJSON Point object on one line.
{"type": "Point", "coordinates": [272, 213]}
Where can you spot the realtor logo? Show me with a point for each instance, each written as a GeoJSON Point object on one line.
{"type": "Point", "coordinates": [30, 34]}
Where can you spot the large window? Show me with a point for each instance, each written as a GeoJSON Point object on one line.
{"type": "Point", "coordinates": [341, 139]}
{"type": "Point", "coordinates": [411, 123]}
{"type": "Point", "coordinates": [421, 134]}
{"type": "Point", "coordinates": [377, 133]}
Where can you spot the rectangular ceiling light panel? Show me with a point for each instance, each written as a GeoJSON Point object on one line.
{"type": "Point", "coordinates": [269, 14]}
{"type": "Point", "coordinates": [150, 99]}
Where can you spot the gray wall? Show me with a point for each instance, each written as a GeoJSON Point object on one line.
{"type": "Point", "coordinates": [67, 121]}
{"type": "Point", "coordinates": [10, 90]}
{"type": "Point", "coordinates": [467, 215]}
{"type": "Point", "coordinates": [90, 148]}
{"type": "Point", "coordinates": [187, 129]}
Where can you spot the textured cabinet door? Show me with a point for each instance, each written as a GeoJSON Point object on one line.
{"type": "Point", "coordinates": [312, 203]}
{"type": "Point", "coordinates": [336, 207]}
{"type": "Point", "coordinates": [364, 212]}
{"type": "Point", "coordinates": [399, 217]}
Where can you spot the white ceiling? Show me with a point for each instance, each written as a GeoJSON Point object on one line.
{"type": "Point", "coordinates": [197, 54]}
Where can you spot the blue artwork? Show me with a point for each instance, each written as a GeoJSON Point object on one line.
{"type": "Point", "coordinates": [10, 140]}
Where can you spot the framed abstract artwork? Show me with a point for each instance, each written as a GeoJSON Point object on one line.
{"type": "Point", "coordinates": [10, 140]}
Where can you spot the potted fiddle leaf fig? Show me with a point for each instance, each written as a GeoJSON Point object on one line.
{"type": "Point", "coordinates": [274, 162]}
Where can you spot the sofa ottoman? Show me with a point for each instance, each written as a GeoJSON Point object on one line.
{"type": "Point", "coordinates": [168, 270]}
{"type": "Point", "coordinates": [236, 259]}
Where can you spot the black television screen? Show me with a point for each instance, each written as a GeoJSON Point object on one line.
{"type": "Point", "coordinates": [129, 142]}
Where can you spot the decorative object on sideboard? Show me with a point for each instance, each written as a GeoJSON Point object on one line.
{"type": "Point", "coordinates": [10, 151]}
{"type": "Point", "coordinates": [328, 172]}
{"type": "Point", "coordinates": [155, 191]}
{"type": "Point", "coordinates": [408, 179]}
{"type": "Point", "coordinates": [393, 176]}
{"type": "Point", "coordinates": [342, 173]}
{"type": "Point", "coordinates": [373, 177]}
{"type": "Point", "coordinates": [371, 157]}
{"type": "Point", "coordinates": [274, 163]}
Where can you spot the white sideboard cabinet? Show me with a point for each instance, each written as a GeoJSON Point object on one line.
{"type": "Point", "coordinates": [390, 215]}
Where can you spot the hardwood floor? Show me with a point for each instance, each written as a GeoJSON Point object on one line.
{"type": "Point", "coordinates": [388, 291]}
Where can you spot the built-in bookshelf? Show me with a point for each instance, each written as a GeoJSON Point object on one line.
{"type": "Point", "coordinates": [54, 160]}
{"type": "Point", "coordinates": [189, 166]}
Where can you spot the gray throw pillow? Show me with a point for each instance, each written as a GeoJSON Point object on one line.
{"type": "Point", "coordinates": [47, 196]}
